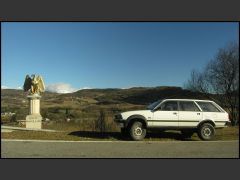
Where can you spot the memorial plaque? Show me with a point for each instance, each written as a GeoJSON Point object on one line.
{"type": "Point", "coordinates": [34, 121]}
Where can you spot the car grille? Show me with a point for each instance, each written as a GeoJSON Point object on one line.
{"type": "Point", "coordinates": [118, 116]}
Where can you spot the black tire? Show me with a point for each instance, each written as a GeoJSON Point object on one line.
{"type": "Point", "coordinates": [137, 131]}
{"type": "Point", "coordinates": [124, 132]}
{"type": "Point", "coordinates": [187, 133]}
{"type": "Point", "coordinates": [206, 132]}
{"type": "Point", "coordinates": [161, 131]}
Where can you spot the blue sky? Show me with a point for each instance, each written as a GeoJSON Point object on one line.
{"type": "Point", "coordinates": [109, 54]}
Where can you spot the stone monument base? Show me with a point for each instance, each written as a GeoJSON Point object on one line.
{"type": "Point", "coordinates": [34, 121]}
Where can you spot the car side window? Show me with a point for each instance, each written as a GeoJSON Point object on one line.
{"type": "Point", "coordinates": [208, 107]}
{"type": "Point", "coordinates": [188, 106]}
{"type": "Point", "coordinates": [169, 106]}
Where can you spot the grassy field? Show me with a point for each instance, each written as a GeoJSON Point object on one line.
{"type": "Point", "coordinates": [75, 132]}
{"type": "Point", "coordinates": [84, 108]}
{"type": "Point", "coordinates": [87, 104]}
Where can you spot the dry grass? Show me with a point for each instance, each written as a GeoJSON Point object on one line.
{"type": "Point", "coordinates": [75, 132]}
{"type": "Point", "coordinates": [229, 133]}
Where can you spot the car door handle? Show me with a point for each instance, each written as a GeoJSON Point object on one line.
{"type": "Point", "coordinates": [198, 113]}
{"type": "Point", "coordinates": [175, 113]}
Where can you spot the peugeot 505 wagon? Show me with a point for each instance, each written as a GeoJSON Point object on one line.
{"type": "Point", "coordinates": [187, 115]}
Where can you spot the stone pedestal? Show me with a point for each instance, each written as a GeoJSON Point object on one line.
{"type": "Point", "coordinates": [34, 119]}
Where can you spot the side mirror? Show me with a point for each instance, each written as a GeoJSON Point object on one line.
{"type": "Point", "coordinates": [168, 109]}
{"type": "Point", "coordinates": [158, 109]}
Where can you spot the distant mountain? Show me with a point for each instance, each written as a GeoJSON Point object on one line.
{"type": "Point", "coordinates": [137, 95]}
{"type": "Point", "coordinates": [18, 93]}
{"type": "Point", "coordinates": [109, 97]}
{"type": "Point", "coordinates": [87, 103]}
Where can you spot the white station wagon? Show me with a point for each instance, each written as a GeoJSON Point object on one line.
{"type": "Point", "coordinates": [187, 115]}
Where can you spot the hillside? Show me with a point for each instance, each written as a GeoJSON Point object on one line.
{"type": "Point", "coordinates": [137, 95]}
{"type": "Point", "coordinates": [88, 102]}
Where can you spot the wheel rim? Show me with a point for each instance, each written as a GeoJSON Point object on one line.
{"type": "Point", "coordinates": [138, 131]}
{"type": "Point", "coordinates": [207, 132]}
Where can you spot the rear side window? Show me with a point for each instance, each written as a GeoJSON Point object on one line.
{"type": "Point", "coordinates": [169, 106]}
{"type": "Point", "coordinates": [208, 107]}
{"type": "Point", "coordinates": [188, 106]}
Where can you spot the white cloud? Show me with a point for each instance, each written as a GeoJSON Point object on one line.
{"type": "Point", "coordinates": [4, 87]}
{"type": "Point", "coordinates": [7, 87]}
{"type": "Point", "coordinates": [128, 87]}
{"type": "Point", "coordinates": [60, 88]}
{"type": "Point", "coordinates": [57, 87]}
{"type": "Point", "coordinates": [85, 88]}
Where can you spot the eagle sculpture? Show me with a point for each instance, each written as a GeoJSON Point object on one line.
{"type": "Point", "coordinates": [34, 84]}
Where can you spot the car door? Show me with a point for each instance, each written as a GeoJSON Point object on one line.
{"type": "Point", "coordinates": [189, 114]}
{"type": "Point", "coordinates": [166, 115]}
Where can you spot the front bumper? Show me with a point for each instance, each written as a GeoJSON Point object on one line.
{"type": "Point", "coordinates": [121, 125]}
{"type": "Point", "coordinates": [119, 121]}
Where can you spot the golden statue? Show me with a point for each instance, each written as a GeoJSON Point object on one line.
{"type": "Point", "coordinates": [34, 83]}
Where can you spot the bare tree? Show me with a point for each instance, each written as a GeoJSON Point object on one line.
{"type": "Point", "coordinates": [223, 77]}
{"type": "Point", "coordinates": [220, 77]}
{"type": "Point", "coordinates": [197, 82]}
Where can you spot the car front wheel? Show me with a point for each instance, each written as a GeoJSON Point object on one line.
{"type": "Point", "coordinates": [206, 132]}
{"type": "Point", "coordinates": [137, 131]}
{"type": "Point", "coordinates": [124, 132]}
{"type": "Point", "coordinates": [187, 133]}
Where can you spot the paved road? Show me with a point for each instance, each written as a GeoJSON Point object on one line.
{"type": "Point", "coordinates": [119, 149]}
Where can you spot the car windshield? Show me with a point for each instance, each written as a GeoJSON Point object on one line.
{"type": "Point", "coordinates": [153, 105]}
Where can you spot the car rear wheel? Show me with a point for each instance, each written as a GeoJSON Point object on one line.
{"type": "Point", "coordinates": [137, 131]}
{"type": "Point", "coordinates": [206, 131]}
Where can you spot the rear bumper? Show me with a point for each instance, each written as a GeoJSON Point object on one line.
{"type": "Point", "coordinates": [228, 123]}
{"type": "Point", "coordinates": [222, 124]}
